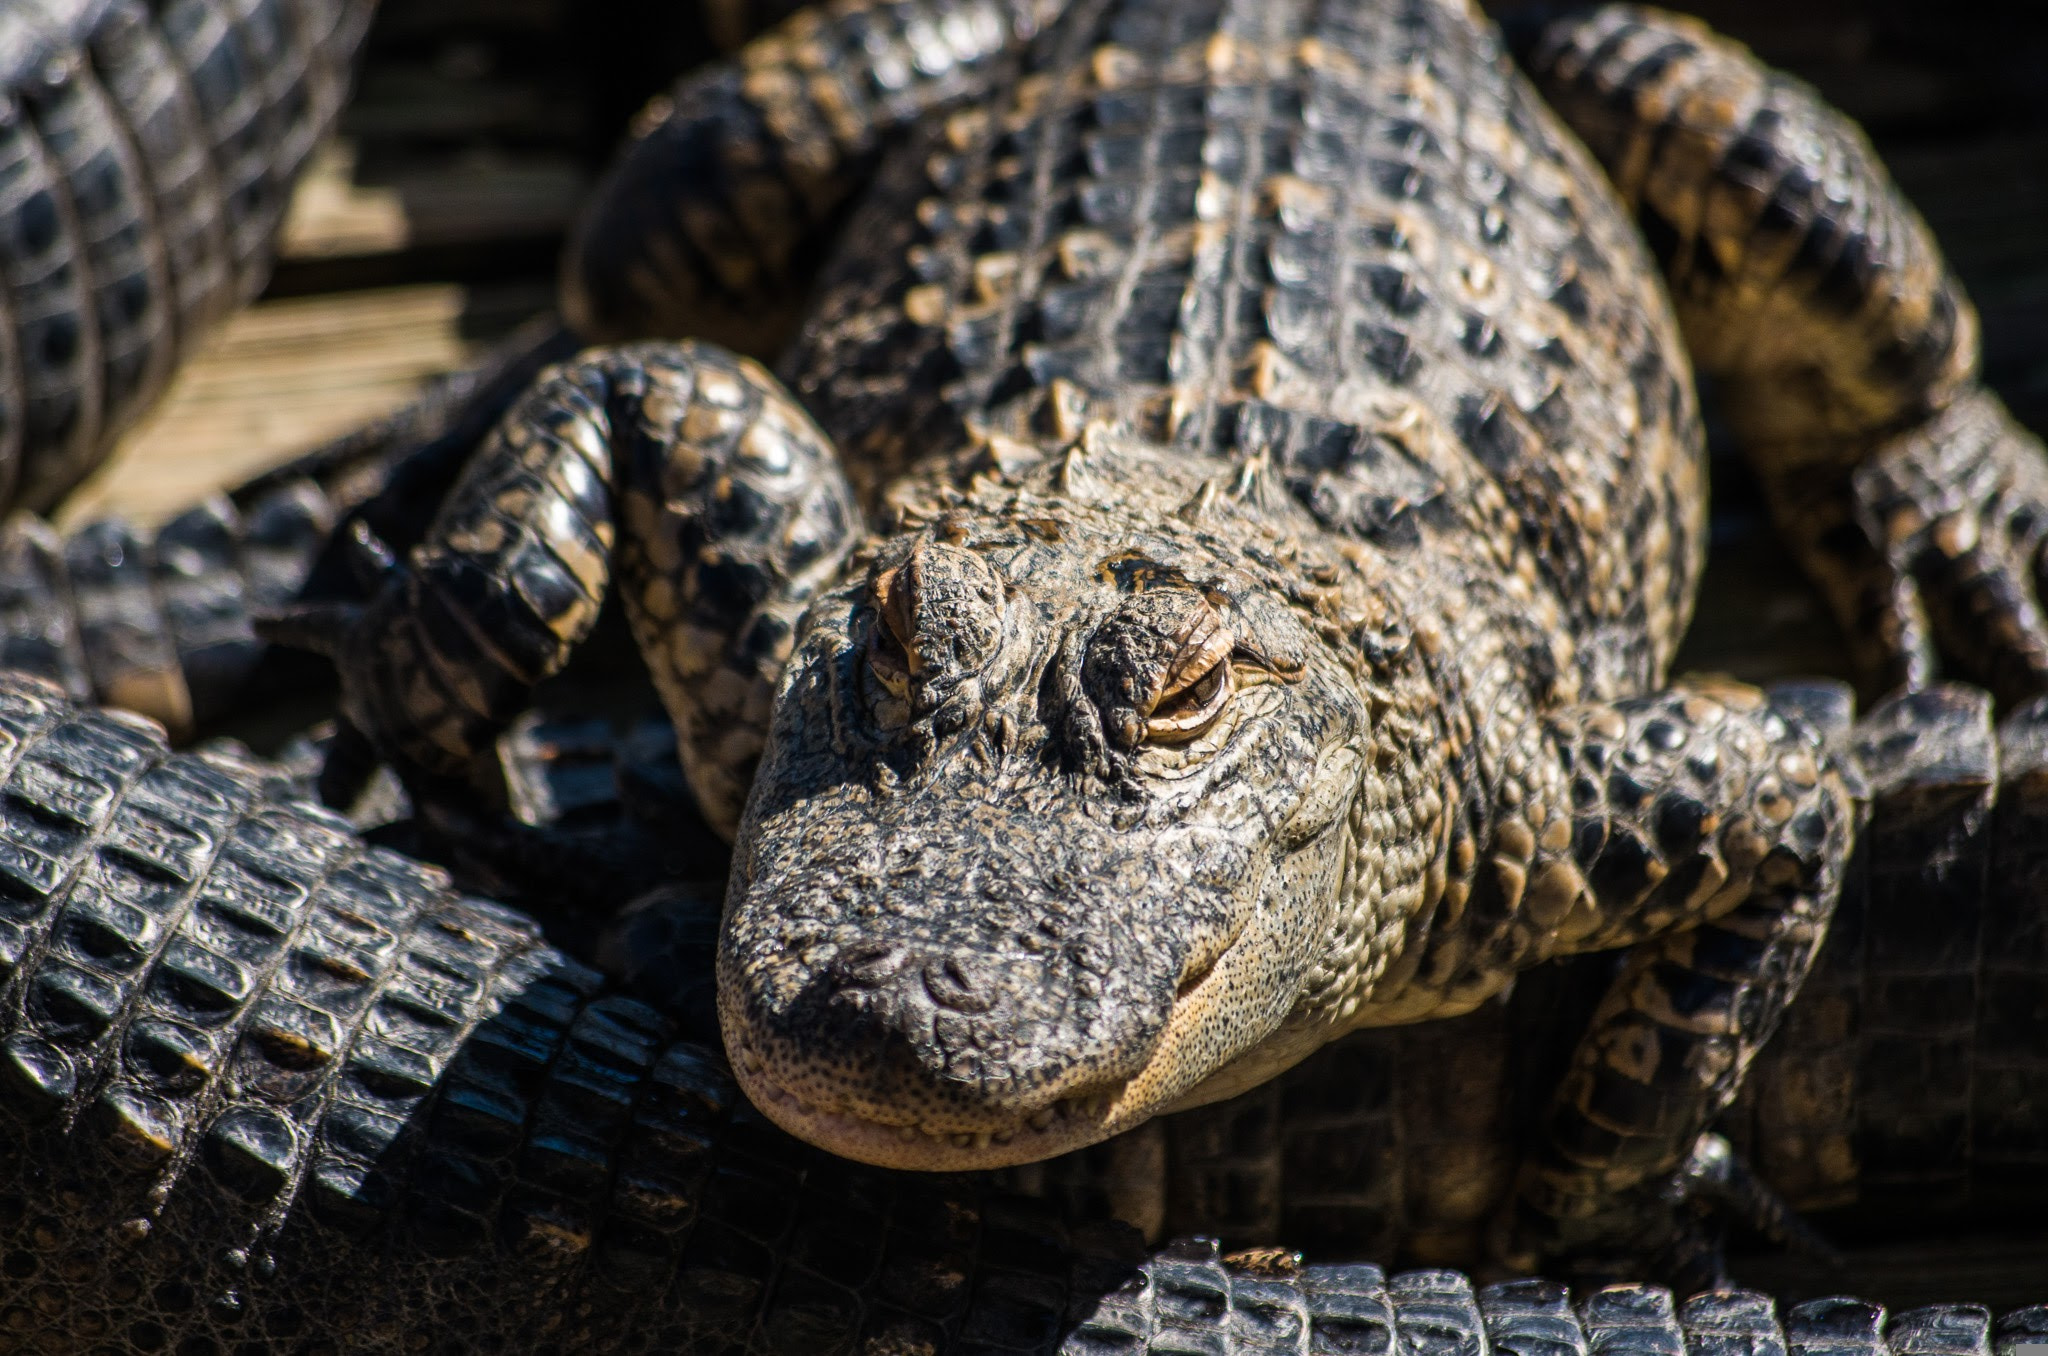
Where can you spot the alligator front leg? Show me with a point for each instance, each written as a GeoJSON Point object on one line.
{"type": "Point", "coordinates": [718, 211]}
{"type": "Point", "coordinates": [723, 204]}
{"type": "Point", "coordinates": [1709, 831]}
{"type": "Point", "coordinates": [1845, 350]}
{"type": "Point", "coordinates": [686, 469]}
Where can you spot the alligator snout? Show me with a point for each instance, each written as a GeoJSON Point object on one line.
{"type": "Point", "coordinates": [944, 994]}
{"type": "Point", "coordinates": [1044, 840]}
{"type": "Point", "coordinates": [961, 984]}
{"type": "Point", "coordinates": [900, 974]}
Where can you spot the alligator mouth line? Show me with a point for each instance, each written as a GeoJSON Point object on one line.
{"type": "Point", "coordinates": [1071, 1122]}
{"type": "Point", "coordinates": [1066, 1124]}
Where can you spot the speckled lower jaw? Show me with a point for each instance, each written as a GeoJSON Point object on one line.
{"type": "Point", "coordinates": [1068, 1123]}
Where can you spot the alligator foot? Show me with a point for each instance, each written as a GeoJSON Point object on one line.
{"type": "Point", "coordinates": [1958, 511]}
{"type": "Point", "coordinates": [1721, 1182]}
{"type": "Point", "coordinates": [1713, 828]}
{"type": "Point", "coordinates": [726, 507]}
{"type": "Point", "coordinates": [1844, 350]}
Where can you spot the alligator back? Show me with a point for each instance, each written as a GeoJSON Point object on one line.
{"type": "Point", "coordinates": [1344, 236]}
{"type": "Point", "coordinates": [146, 155]}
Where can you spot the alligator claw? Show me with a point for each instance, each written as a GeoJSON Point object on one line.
{"type": "Point", "coordinates": [1958, 511]}
{"type": "Point", "coordinates": [1718, 1179]}
{"type": "Point", "coordinates": [370, 560]}
{"type": "Point", "coordinates": [322, 628]}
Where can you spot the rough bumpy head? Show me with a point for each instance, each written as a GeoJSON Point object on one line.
{"type": "Point", "coordinates": [1049, 824]}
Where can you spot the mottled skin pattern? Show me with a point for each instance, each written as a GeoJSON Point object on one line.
{"type": "Point", "coordinates": [684, 469]}
{"type": "Point", "coordinates": [1900, 1101]}
{"type": "Point", "coordinates": [146, 157]}
{"type": "Point", "coordinates": [265, 1089]}
{"type": "Point", "coordinates": [1286, 497]}
{"type": "Point", "coordinates": [778, 142]}
{"type": "Point", "coordinates": [1847, 352]}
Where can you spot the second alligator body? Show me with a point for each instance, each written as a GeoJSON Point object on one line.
{"type": "Point", "coordinates": [148, 154]}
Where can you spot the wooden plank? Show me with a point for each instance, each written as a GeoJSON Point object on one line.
{"type": "Point", "coordinates": [286, 375]}
{"type": "Point", "coordinates": [437, 201]}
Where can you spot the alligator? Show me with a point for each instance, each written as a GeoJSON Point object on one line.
{"type": "Point", "coordinates": [160, 620]}
{"type": "Point", "coordinates": [1899, 1105]}
{"type": "Point", "coordinates": [1901, 1100]}
{"type": "Point", "coordinates": [146, 157]}
{"type": "Point", "coordinates": [268, 1088]}
{"type": "Point", "coordinates": [1899, 1108]}
{"type": "Point", "coordinates": [1228, 516]}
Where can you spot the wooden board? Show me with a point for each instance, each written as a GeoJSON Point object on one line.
{"type": "Point", "coordinates": [286, 375]}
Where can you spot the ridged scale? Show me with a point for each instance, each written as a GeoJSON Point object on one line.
{"type": "Point", "coordinates": [1346, 237]}
{"type": "Point", "coordinates": [146, 155]}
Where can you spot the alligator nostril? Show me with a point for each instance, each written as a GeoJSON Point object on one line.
{"type": "Point", "coordinates": [960, 984]}
{"type": "Point", "coordinates": [868, 965]}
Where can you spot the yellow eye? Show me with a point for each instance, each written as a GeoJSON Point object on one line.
{"type": "Point", "coordinates": [889, 658]}
{"type": "Point", "coordinates": [1185, 711]}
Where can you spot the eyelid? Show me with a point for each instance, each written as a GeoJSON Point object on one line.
{"type": "Point", "coordinates": [1210, 644]}
{"type": "Point", "coordinates": [888, 658]}
{"type": "Point", "coordinates": [1177, 725]}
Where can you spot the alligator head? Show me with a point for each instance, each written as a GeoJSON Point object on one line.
{"type": "Point", "coordinates": [1050, 830]}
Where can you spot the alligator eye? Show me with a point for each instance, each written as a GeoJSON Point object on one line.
{"type": "Point", "coordinates": [1184, 712]}
{"type": "Point", "coordinates": [889, 657]}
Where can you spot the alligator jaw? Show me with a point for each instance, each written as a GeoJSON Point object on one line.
{"type": "Point", "coordinates": [1055, 1125]}
{"type": "Point", "coordinates": [1066, 1124]}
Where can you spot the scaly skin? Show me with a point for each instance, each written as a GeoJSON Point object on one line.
{"type": "Point", "coordinates": [776, 144]}
{"type": "Point", "coordinates": [268, 1089]}
{"type": "Point", "coordinates": [1898, 1103]}
{"type": "Point", "coordinates": [1847, 353]}
{"type": "Point", "coordinates": [157, 622]}
{"type": "Point", "coordinates": [1896, 1106]}
{"type": "Point", "coordinates": [1286, 497]}
{"type": "Point", "coordinates": [160, 621]}
{"type": "Point", "coordinates": [145, 163]}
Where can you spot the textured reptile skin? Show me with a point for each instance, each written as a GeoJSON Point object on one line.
{"type": "Point", "coordinates": [516, 567]}
{"type": "Point", "coordinates": [145, 161]}
{"type": "Point", "coordinates": [1900, 1101]}
{"type": "Point", "coordinates": [267, 1089]}
{"type": "Point", "coordinates": [1899, 1104]}
{"type": "Point", "coordinates": [159, 621]}
{"type": "Point", "coordinates": [1846, 352]}
{"type": "Point", "coordinates": [775, 144]}
{"type": "Point", "coordinates": [1286, 496]}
